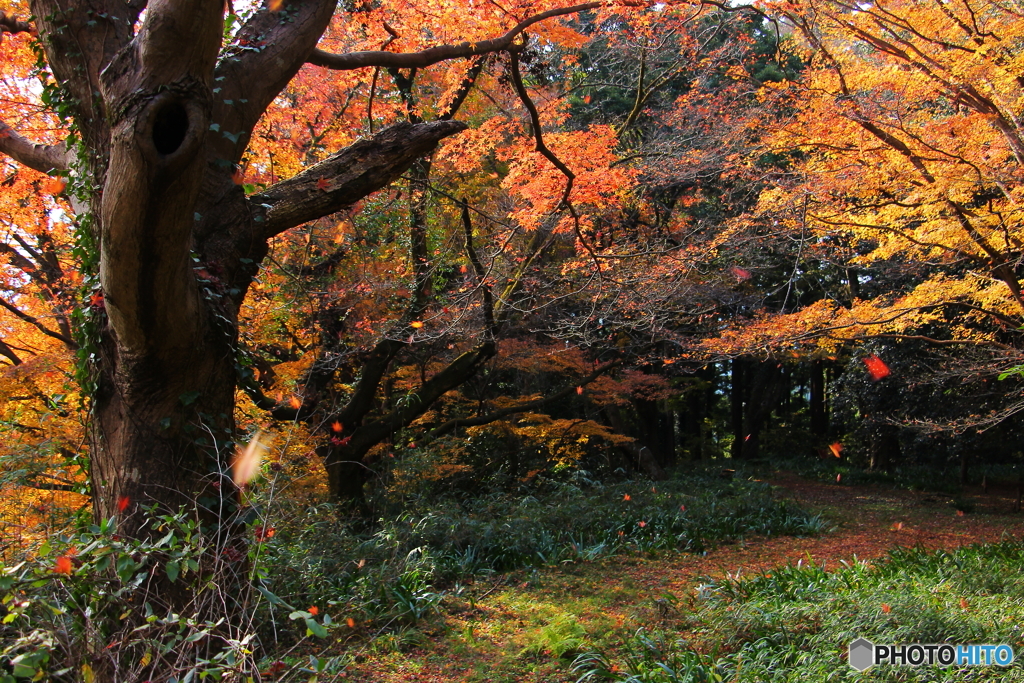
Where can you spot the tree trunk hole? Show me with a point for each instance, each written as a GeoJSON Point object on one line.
{"type": "Point", "coordinates": [170, 127]}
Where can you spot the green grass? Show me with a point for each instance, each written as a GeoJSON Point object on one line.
{"type": "Point", "coordinates": [395, 575]}
{"type": "Point", "coordinates": [795, 623]}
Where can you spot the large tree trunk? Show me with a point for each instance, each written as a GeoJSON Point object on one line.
{"type": "Point", "coordinates": [165, 394]}
{"type": "Point", "coordinates": [179, 243]}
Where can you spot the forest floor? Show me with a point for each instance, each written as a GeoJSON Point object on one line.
{"type": "Point", "coordinates": [512, 628]}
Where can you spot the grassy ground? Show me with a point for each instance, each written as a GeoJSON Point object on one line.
{"type": "Point", "coordinates": [756, 608]}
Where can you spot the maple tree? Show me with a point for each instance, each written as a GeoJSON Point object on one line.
{"type": "Point", "coordinates": [173, 181]}
{"type": "Point", "coordinates": [909, 155]}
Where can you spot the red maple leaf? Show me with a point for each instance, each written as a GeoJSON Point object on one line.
{"type": "Point", "coordinates": [876, 368]}
{"type": "Point", "coordinates": [740, 273]}
{"type": "Point", "coordinates": [122, 503]}
{"type": "Point", "coordinates": [322, 184]}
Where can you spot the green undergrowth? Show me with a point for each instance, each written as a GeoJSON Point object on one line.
{"type": "Point", "coordinates": [396, 574]}
{"type": "Point", "coordinates": [795, 623]}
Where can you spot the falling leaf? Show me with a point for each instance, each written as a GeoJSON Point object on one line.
{"type": "Point", "coordinates": [351, 622]}
{"type": "Point", "coordinates": [237, 177]}
{"type": "Point", "coordinates": [360, 564]}
{"type": "Point", "coordinates": [415, 324]}
{"type": "Point", "coordinates": [322, 184]}
{"type": "Point", "coordinates": [837, 449]}
{"type": "Point", "coordinates": [626, 496]}
{"type": "Point", "coordinates": [740, 273]}
{"type": "Point", "coordinates": [579, 390]}
{"type": "Point", "coordinates": [463, 269]}
{"type": "Point", "coordinates": [53, 185]}
{"type": "Point", "coordinates": [959, 513]}
{"type": "Point", "coordinates": [122, 503]}
{"type": "Point", "coordinates": [654, 489]}
{"type": "Point", "coordinates": [641, 524]}
{"type": "Point", "coordinates": [336, 427]}
{"type": "Point", "coordinates": [877, 368]}
{"type": "Point", "coordinates": [247, 460]}
{"type": "Point", "coordinates": [63, 565]}
{"type": "Point", "coordinates": [314, 610]}
{"type": "Point", "coordinates": [898, 526]}
{"type": "Point", "coordinates": [839, 478]}
{"type": "Point", "coordinates": [682, 508]}
{"type": "Point", "coordinates": [294, 402]}
{"type": "Point", "coordinates": [275, 5]}
{"type": "Point", "coordinates": [886, 608]}
{"type": "Point", "coordinates": [586, 99]}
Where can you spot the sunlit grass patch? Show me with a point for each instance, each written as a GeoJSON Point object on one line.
{"type": "Point", "coordinates": [796, 622]}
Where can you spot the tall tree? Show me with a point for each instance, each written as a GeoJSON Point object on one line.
{"type": "Point", "coordinates": [167, 242]}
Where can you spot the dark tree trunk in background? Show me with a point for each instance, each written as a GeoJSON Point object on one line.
{"type": "Point", "coordinates": [885, 447]}
{"type": "Point", "coordinates": [654, 430]}
{"type": "Point", "coordinates": [737, 397]}
{"type": "Point", "coordinates": [767, 383]}
{"type": "Point", "coordinates": [819, 418]}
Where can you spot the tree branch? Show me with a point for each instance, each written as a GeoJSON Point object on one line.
{"type": "Point", "coordinates": [481, 273]}
{"type": "Point", "coordinates": [520, 408]}
{"type": "Point", "coordinates": [42, 158]}
{"type": "Point", "coordinates": [38, 325]}
{"type": "Point", "coordinates": [269, 50]}
{"type": "Point", "coordinates": [347, 176]}
{"type": "Point", "coordinates": [7, 352]}
{"type": "Point", "coordinates": [10, 24]}
{"type": "Point", "coordinates": [456, 372]}
{"type": "Point", "coordinates": [433, 55]}
{"type": "Point", "coordinates": [80, 40]}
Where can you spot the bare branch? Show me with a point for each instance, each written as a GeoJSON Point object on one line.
{"type": "Point", "coordinates": [8, 353]}
{"type": "Point", "coordinates": [38, 325]}
{"type": "Point", "coordinates": [481, 273]}
{"type": "Point", "coordinates": [42, 158]}
{"type": "Point", "coordinates": [347, 176]}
